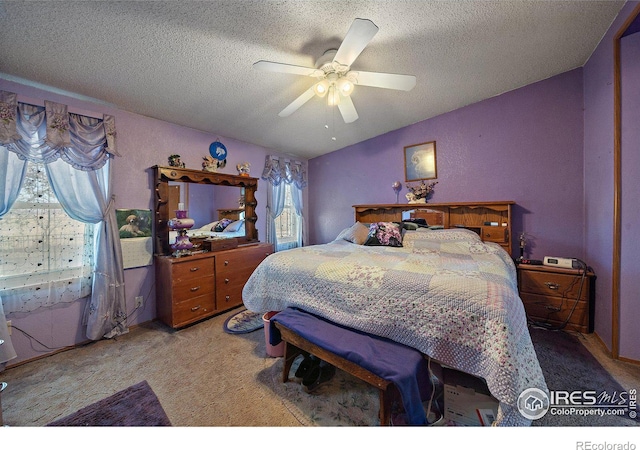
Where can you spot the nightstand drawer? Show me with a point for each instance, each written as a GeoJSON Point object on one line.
{"type": "Point", "coordinates": [556, 310]}
{"type": "Point", "coordinates": [553, 284]}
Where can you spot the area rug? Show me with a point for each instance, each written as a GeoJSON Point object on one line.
{"type": "Point", "coordinates": [347, 401]}
{"type": "Point", "coordinates": [136, 406]}
{"type": "Point", "coordinates": [343, 401]}
{"type": "Point", "coordinates": [567, 365]}
{"type": "Point", "coordinates": [244, 321]}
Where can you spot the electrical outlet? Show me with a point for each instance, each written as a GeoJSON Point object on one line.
{"type": "Point", "coordinates": [139, 301]}
{"type": "Point", "coordinates": [9, 326]}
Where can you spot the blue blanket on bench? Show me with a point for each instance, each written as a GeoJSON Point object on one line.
{"type": "Point", "coordinates": [404, 366]}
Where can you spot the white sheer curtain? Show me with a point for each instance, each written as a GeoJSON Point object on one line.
{"type": "Point", "coordinates": [77, 153]}
{"type": "Point", "coordinates": [279, 171]}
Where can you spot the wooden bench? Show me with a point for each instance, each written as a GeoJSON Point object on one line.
{"type": "Point", "coordinates": [397, 371]}
{"type": "Point", "coordinates": [296, 345]}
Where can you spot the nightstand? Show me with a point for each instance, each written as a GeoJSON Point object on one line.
{"type": "Point", "coordinates": [549, 294]}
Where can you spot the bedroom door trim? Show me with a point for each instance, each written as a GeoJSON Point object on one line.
{"type": "Point", "coordinates": [617, 184]}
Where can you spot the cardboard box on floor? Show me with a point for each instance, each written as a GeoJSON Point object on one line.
{"type": "Point", "coordinates": [467, 400]}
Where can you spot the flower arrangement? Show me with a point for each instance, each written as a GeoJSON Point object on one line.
{"type": "Point", "coordinates": [420, 193]}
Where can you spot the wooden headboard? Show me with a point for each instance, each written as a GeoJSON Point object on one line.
{"type": "Point", "coordinates": [491, 220]}
{"type": "Point", "coordinates": [233, 213]}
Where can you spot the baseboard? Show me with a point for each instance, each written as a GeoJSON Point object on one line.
{"type": "Point", "coordinates": [609, 354]}
{"type": "Point", "coordinates": [66, 349]}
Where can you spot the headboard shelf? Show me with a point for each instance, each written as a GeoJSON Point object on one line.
{"type": "Point", "coordinates": [491, 220]}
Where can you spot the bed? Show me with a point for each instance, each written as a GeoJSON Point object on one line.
{"type": "Point", "coordinates": [444, 292]}
{"type": "Point", "coordinates": [208, 231]}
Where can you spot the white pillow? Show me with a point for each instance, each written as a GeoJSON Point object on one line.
{"type": "Point", "coordinates": [234, 226]}
{"type": "Point", "coordinates": [357, 233]}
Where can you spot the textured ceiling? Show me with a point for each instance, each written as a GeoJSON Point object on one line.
{"type": "Point", "coordinates": [190, 62]}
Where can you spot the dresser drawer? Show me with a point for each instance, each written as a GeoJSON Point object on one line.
{"type": "Point", "coordinates": [191, 269]}
{"type": "Point", "coordinates": [553, 284]}
{"type": "Point", "coordinates": [494, 234]}
{"type": "Point", "coordinates": [241, 262]}
{"type": "Point", "coordinates": [233, 269]}
{"type": "Point", "coordinates": [193, 287]}
{"type": "Point", "coordinates": [194, 308]}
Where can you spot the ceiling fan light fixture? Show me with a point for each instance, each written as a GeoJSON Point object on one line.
{"type": "Point", "coordinates": [333, 98]}
{"type": "Point", "coordinates": [321, 88]}
{"type": "Point", "coordinates": [345, 86]}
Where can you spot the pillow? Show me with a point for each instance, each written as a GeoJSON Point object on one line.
{"type": "Point", "coordinates": [414, 224]}
{"type": "Point", "coordinates": [209, 226]}
{"type": "Point", "coordinates": [357, 233]}
{"type": "Point", "coordinates": [234, 226]}
{"type": "Point", "coordinates": [388, 234]}
{"type": "Point", "coordinates": [222, 224]}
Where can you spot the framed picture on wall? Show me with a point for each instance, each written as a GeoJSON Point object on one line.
{"type": "Point", "coordinates": [420, 161]}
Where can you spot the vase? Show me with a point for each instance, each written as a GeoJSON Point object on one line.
{"type": "Point", "coordinates": [418, 200]}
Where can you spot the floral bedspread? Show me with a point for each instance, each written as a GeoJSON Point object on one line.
{"type": "Point", "coordinates": [445, 293]}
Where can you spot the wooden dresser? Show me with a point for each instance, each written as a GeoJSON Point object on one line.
{"type": "Point", "coordinates": [550, 293]}
{"type": "Point", "coordinates": [192, 288]}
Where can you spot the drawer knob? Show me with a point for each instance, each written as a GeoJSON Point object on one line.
{"type": "Point", "coordinates": [194, 269]}
{"type": "Point", "coordinates": [226, 263]}
{"type": "Point", "coordinates": [195, 308]}
{"type": "Point", "coordinates": [226, 280]}
{"type": "Point", "coordinates": [195, 288]}
{"type": "Point", "coordinates": [551, 285]}
{"type": "Point", "coordinates": [227, 297]}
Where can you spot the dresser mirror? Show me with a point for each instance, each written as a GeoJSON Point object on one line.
{"type": "Point", "coordinates": [207, 197]}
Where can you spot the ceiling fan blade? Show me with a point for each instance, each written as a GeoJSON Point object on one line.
{"type": "Point", "coordinates": [348, 111]}
{"type": "Point", "coordinates": [269, 66]}
{"type": "Point", "coordinates": [297, 103]}
{"type": "Point", "coordinates": [384, 80]}
{"type": "Point", "coordinates": [359, 35]}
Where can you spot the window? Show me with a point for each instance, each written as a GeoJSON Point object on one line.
{"type": "Point", "coordinates": [287, 223]}
{"type": "Point", "coordinates": [45, 255]}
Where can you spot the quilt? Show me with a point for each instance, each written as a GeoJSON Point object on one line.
{"type": "Point", "coordinates": [444, 292]}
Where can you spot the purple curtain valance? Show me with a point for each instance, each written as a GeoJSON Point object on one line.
{"type": "Point", "coordinates": [278, 170]}
{"type": "Point", "coordinates": [86, 143]}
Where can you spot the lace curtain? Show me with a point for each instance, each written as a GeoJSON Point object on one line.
{"type": "Point", "coordinates": [278, 171]}
{"type": "Point", "coordinates": [76, 152]}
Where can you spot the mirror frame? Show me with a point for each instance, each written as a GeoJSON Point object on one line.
{"type": "Point", "coordinates": [617, 183]}
{"type": "Point", "coordinates": [162, 177]}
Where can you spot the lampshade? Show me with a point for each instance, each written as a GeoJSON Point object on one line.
{"type": "Point", "coordinates": [321, 88]}
{"type": "Point", "coordinates": [334, 96]}
{"type": "Point", "coordinates": [344, 86]}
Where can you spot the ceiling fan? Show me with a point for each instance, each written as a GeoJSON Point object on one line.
{"type": "Point", "coordinates": [335, 78]}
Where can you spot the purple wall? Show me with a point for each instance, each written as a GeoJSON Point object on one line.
{"type": "Point", "coordinates": [143, 142]}
{"type": "Point", "coordinates": [598, 188]}
{"type": "Point", "coordinates": [524, 145]}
